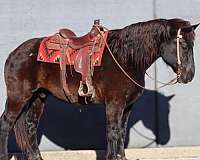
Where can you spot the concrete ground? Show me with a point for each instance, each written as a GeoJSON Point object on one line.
{"type": "Point", "coordinates": [181, 153]}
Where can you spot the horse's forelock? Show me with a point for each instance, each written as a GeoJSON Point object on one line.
{"type": "Point", "coordinates": [175, 24]}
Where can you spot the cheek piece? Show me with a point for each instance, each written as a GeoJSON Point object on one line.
{"type": "Point", "coordinates": [178, 37]}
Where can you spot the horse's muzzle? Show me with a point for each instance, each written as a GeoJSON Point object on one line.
{"type": "Point", "coordinates": [187, 75]}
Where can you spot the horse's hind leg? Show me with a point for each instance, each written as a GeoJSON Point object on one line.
{"type": "Point", "coordinates": [4, 131]}
{"type": "Point", "coordinates": [26, 128]}
{"type": "Point", "coordinates": [12, 112]}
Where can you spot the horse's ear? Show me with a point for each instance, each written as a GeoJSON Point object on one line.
{"type": "Point", "coordinates": [195, 26]}
{"type": "Point", "coordinates": [189, 29]}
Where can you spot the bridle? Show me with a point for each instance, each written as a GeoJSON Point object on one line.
{"type": "Point", "coordinates": [172, 82]}
{"type": "Point", "coordinates": [178, 62]}
{"type": "Point", "coordinates": [179, 36]}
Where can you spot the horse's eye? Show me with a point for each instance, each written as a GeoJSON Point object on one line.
{"type": "Point", "coordinates": [184, 45]}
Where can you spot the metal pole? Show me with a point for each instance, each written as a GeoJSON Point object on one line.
{"type": "Point", "coordinates": [157, 132]}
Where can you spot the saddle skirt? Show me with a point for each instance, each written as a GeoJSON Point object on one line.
{"type": "Point", "coordinates": [50, 51]}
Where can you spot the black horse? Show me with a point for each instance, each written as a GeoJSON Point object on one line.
{"type": "Point", "coordinates": [135, 47]}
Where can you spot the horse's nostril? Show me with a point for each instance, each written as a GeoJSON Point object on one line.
{"type": "Point", "coordinates": [190, 76]}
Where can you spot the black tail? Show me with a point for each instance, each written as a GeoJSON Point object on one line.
{"type": "Point", "coordinates": [38, 93]}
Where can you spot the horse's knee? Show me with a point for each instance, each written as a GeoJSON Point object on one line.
{"type": "Point", "coordinates": [113, 134]}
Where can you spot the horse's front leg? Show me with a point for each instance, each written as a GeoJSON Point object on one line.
{"type": "Point", "coordinates": [5, 127]}
{"type": "Point", "coordinates": [7, 121]}
{"type": "Point", "coordinates": [114, 112]}
{"type": "Point", "coordinates": [124, 122]}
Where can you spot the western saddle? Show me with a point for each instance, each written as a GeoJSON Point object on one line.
{"type": "Point", "coordinates": [85, 46]}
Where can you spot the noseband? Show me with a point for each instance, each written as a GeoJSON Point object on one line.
{"type": "Point", "coordinates": [179, 36]}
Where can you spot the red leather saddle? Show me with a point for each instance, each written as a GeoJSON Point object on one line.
{"type": "Point", "coordinates": [85, 46]}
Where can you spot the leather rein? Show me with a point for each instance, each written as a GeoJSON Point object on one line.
{"type": "Point", "coordinates": [172, 82]}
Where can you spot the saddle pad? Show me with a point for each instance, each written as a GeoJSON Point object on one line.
{"type": "Point", "coordinates": [52, 55]}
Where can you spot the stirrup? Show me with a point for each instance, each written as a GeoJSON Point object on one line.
{"type": "Point", "coordinates": [90, 90]}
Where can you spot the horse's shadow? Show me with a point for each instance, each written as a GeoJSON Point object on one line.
{"type": "Point", "coordinates": [152, 109]}
{"type": "Point", "coordinates": [72, 127]}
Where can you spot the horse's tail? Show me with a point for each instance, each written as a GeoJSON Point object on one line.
{"type": "Point", "coordinates": [26, 125]}
{"type": "Point", "coordinates": [21, 135]}
{"type": "Point", "coordinates": [40, 93]}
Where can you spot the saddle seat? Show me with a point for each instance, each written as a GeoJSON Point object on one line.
{"type": "Point", "coordinates": [66, 33]}
{"type": "Point", "coordinates": [79, 42]}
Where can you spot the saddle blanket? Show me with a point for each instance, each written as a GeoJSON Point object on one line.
{"type": "Point", "coordinates": [52, 55]}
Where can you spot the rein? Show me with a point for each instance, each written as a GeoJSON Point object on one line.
{"type": "Point", "coordinates": [172, 82]}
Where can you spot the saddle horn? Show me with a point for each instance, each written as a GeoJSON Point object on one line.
{"type": "Point", "coordinates": [97, 22]}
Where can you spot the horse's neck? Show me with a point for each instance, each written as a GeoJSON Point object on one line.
{"type": "Point", "coordinates": [139, 50]}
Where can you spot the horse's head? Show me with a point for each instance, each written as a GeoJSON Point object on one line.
{"type": "Point", "coordinates": [177, 49]}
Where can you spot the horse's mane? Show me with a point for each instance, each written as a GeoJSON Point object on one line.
{"type": "Point", "coordinates": [137, 44]}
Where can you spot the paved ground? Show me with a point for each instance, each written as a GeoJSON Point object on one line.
{"type": "Point", "coordinates": [181, 153]}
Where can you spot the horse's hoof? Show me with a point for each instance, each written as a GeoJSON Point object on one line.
{"type": "Point", "coordinates": [35, 158]}
{"type": "Point", "coordinates": [121, 158]}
